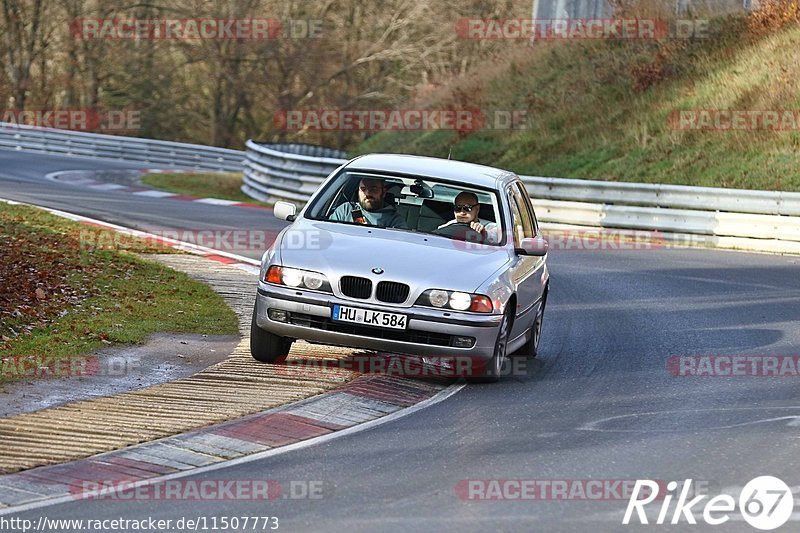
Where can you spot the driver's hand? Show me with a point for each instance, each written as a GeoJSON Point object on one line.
{"type": "Point", "coordinates": [477, 226]}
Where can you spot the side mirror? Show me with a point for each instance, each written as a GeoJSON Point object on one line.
{"type": "Point", "coordinates": [536, 246]}
{"type": "Point", "coordinates": [285, 211]}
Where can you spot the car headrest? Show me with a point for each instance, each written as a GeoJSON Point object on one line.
{"type": "Point", "coordinates": [393, 192]}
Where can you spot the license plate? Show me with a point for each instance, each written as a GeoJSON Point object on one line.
{"type": "Point", "coordinates": [379, 319]}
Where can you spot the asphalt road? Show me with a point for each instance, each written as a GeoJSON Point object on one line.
{"type": "Point", "coordinates": [598, 404]}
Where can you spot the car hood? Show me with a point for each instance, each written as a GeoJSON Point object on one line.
{"type": "Point", "coordinates": [420, 260]}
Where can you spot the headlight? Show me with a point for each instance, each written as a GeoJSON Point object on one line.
{"type": "Point", "coordinates": [296, 278]}
{"type": "Point", "coordinates": [292, 277]}
{"type": "Point", "coordinates": [458, 301]}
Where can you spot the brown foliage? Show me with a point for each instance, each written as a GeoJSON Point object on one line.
{"type": "Point", "coordinates": [772, 15]}
{"type": "Point", "coordinates": [656, 71]}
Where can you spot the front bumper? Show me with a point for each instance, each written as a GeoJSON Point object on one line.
{"type": "Point", "coordinates": [430, 332]}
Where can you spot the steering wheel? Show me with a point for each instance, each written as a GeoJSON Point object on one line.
{"type": "Point", "coordinates": [460, 231]}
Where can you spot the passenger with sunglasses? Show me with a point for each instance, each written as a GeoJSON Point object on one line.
{"type": "Point", "coordinates": [465, 210]}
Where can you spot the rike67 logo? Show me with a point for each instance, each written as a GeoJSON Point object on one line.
{"type": "Point", "coordinates": [765, 503]}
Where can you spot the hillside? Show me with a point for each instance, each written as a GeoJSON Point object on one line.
{"type": "Point", "coordinates": [607, 109]}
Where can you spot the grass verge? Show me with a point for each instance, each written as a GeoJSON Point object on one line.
{"type": "Point", "coordinates": [222, 185]}
{"type": "Point", "coordinates": [68, 288]}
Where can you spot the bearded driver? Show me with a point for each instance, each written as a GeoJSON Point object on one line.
{"type": "Point", "coordinates": [375, 212]}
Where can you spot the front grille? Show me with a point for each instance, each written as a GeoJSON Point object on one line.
{"type": "Point", "coordinates": [356, 287]}
{"type": "Point", "coordinates": [408, 335]}
{"type": "Point", "coordinates": [392, 292]}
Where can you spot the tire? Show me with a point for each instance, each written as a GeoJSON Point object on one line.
{"type": "Point", "coordinates": [531, 348]}
{"type": "Point", "coordinates": [493, 368]}
{"type": "Point", "coordinates": [267, 347]}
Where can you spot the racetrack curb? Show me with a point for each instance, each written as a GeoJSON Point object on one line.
{"type": "Point", "coordinates": [366, 399]}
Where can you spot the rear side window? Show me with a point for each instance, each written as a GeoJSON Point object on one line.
{"type": "Point", "coordinates": [526, 205]}
{"type": "Point", "coordinates": [522, 221]}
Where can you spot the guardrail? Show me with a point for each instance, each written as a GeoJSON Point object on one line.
{"type": "Point", "coordinates": [287, 171]}
{"type": "Point", "coordinates": [161, 154]}
{"type": "Point", "coordinates": [664, 196]}
{"type": "Point", "coordinates": [735, 218]}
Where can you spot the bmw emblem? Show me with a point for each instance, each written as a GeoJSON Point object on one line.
{"type": "Point", "coordinates": [377, 270]}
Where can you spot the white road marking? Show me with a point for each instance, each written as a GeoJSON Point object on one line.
{"type": "Point", "coordinates": [216, 201]}
{"type": "Point", "coordinates": [155, 194]}
{"type": "Point", "coordinates": [594, 426]}
{"type": "Point", "coordinates": [108, 186]}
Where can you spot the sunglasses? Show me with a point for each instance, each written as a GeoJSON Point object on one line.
{"type": "Point", "coordinates": [466, 208]}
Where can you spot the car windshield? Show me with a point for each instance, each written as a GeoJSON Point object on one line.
{"type": "Point", "coordinates": [414, 204]}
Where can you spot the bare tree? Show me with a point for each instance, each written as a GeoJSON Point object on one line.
{"type": "Point", "coordinates": [22, 24]}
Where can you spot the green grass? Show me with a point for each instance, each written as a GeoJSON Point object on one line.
{"type": "Point", "coordinates": [96, 290]}
{"type": "Point", "coordinates": [601, 109]}
{"type": "Point", "coordinates": [222, 185]}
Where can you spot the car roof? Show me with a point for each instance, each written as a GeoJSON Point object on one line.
{"type": "Point", "coordinates": [432, 167]}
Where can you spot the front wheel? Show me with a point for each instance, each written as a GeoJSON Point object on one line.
{"type": "Point", "coordinates": [531, 348]}
{"type": "Point", "coordinates": [493, 368]}
{"type": "Point", "coordinates": [267, 347]}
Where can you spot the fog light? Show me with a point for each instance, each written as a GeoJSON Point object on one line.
{"type": "Point", "coordinates": [463, 342]}
{"type": "Point", "coordinates": [438, 298]}
{"type": "Point", "coordinates": [313, 281]}
{"type": "Point", "coordinates": [278, 315]}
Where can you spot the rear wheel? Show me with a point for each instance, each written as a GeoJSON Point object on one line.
{"type": "Point", "coordinates": [493, 368]}
{"type": "Point", "coordinates": [267, 347]}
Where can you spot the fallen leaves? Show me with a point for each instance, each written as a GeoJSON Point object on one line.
{"type": "Point", "coordinates": [37, 277]}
